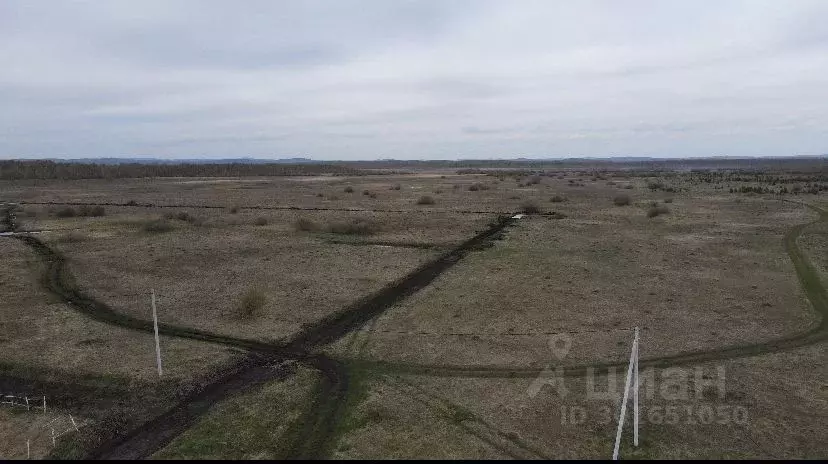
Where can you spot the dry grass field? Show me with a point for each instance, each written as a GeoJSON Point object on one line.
{"type": "Point", "coordinates": [447, 371]}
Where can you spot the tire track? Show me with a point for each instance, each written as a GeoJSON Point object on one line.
{"type": "Point", "coordinates": [808, 278]}
{"type": "Point", "coordinates": [258, 367]}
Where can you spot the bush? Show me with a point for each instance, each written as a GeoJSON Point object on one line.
{"type": "Point", "coordinates": [349, 189]}
{"type": "Point", "coordinates": [158, 225]}
{"type": "Point", "coordinates": [478, 186]}
{"type": "Point", "coordinates": [556, 215]}
{"type": "Point", "coordinates": [66, 212]}
{"type": "Point", "coordinates": [260, 221]}
{"type": "Point", "coordinates": [251, 303]}
{"type": "Point", "coordinates": [530, 207]}
{"type": "Point", "coordinates": [234, 209]}
{"type": "Point", "coordinates": [75, 236]}
{"type": "Point", "coordinates": [621, 200]}
{"type": "Point", "coordinates": [425, 200]}
{"type": "Point", "coordinates": [657, 210]}
{"type": "Point", "coordinates": [185, 217]}
{"type": "Point", "coordinates": [557, 199]}
{"type": "Point", "coordinates": [306, 225]}
{"type": "Point", "coordinates": [628, 187]}
{"type": "Point", "coordinates": [372, 196]}
{"type": "Point", "coordinates": [93, 211]}
{"type": "Point", "coordinates": [395, 187]}
{"type": "Point", "coordinates": [132, 203]}
{"type": "Point", "coordinates": [366, 192]}
{"type": "Point", "coordinates": [668, 200]}
{"type": "Point", "coordinates": [353, 227]}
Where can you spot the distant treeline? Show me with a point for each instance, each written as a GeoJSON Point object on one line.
{"type": "Point", "coordinates": [21, 170]}
{"type": "Point", "coordinates": [806, 164]}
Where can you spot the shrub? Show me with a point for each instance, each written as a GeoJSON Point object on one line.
{"type": "Point", "coordinates": [158, 225]}
{"type": "Point", "coordinates": [353, 227]}
{"type": "Point", "coordinates": [349, 189]}
{"type": "Point", "coordinates": [260, 221]}
{"type": "Point", "coordinates": [132, 203]}
{"type": "Point", "coordinates": [657, 210]}
{"type": "Point", "coordinates": [66, 212]}
{"type": "Point", "coordinates": [251, 303]}
{"type": "Point", "coordinates": [628, 186]}
{"type": "Point", "coordinates": [372, 195]}
{"type": "Point", "coordinates": [306, 225]}
{"type": "Point", "coordinates": [668, 200]}
{"type": "Point", "coordinates": [530, 207]}
{"type": "Point", "coordinates": [478, 186]}
{"type": "Point", "coordinates": [395, 187]}
{"type": "Point", "coordinates": [185, 217]}
{"type": "Point", "coordinates": [366, 192]}
{"type": "Point", "coordinates": [320, 195]}
{"type": "Point", "coordinates": [621, 200]}
{"type": "Point", "coordinates": [557, 199]}
{"type": "Point", "coordinates": [234, 209]}
{"type": "Point", "coordinates": [556, 215]}
{"type": "Point", "coordinates": [425, 200]}
{"type": "Point", "coordinates": [75, 236]}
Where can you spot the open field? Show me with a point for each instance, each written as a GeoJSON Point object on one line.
{"type": "Point", "coordinates": [586, 276]}
{"type": "Point", "coordinates": [98, 373]}
{"type": "Point", "coordinates": [354, 315]}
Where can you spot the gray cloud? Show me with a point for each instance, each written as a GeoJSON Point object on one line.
{"type": "Point", "coordinates": [414, 79]}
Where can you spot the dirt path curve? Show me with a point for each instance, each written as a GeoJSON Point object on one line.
{"type": "Point", "coordinates": [262, 363]}
{"type": "Point", "coordinates": [805, 272]}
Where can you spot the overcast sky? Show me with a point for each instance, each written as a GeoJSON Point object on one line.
{"type": "Point", "coordinates": [412, 79]}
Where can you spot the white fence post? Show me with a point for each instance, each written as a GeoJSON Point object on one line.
{"type": "Point", "coordinates": [632, 370]}
{"type": "Point", "coordinates": [635, 390]}
{"type": "Point", "coordinates": [157, 343]}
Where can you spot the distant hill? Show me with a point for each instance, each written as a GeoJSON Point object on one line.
{"type": "Point", "coordinates": [116, 161]}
